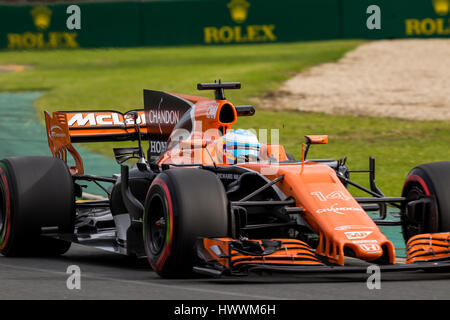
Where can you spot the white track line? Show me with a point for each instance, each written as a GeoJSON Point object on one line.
{"type": "Point", "coordinates": [146, 283]}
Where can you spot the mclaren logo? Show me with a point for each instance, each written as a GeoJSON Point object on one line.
{"type": "Point", "coordinates": [101, 119]}
{"type": "Point", "coordinates": [238, 10]}
{"type": "Point", "coordinates": [441, 7]}
{"type": "Point", "coordinates": [41, 17]}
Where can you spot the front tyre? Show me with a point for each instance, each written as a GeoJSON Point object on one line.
{"type": "Point", "coordinates": [427, 181]}
{"type": "Point", "coordinates": [181, 206]}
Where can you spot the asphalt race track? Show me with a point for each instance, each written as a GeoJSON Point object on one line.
{"type": "Point", "coordinates": [109, 276]}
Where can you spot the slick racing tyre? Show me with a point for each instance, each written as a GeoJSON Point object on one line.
{"type": "Point", "coordinates": [181, 206]}
{"type": "Point", "coordinates": [428, 181]}
{"type": "Point", "coordinates": [35, 192]}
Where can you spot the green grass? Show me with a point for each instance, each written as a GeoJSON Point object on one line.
{"type": "Point", "coordinates": [114, 79]}
{"type": "Point", "coordinates": [397, 145]}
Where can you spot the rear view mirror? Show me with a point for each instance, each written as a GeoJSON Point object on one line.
{"type": "Point", "coordinates": [313, 139]}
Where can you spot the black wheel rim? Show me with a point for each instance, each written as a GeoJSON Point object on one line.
{"type": "Point", "coordinates": [414, 225]}
{"type": "Point", "coordinates": [157, 224]}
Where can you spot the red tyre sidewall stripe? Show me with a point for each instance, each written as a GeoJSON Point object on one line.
{"type": "Point", "coordinates": [168, 245]}
{"type": "Point", "coordinates": [4, 241]}
{"type": "Point", "coordinates": [416, 178]}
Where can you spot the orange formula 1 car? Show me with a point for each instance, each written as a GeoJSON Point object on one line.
{"type": "Point", "coordinates": [213, 199]}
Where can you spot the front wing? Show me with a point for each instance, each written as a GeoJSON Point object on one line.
{"type": "Point", "coordinates": [226, 256]}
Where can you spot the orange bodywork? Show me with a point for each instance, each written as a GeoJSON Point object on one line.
{"type": "Point", "coordinates": [428, 247]}
{"type": "Point", "coordinates": [290, 252]}
{"type": "Point", "coordinates": [331, 211]}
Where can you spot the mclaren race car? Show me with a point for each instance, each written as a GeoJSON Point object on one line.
{"type": "Point", "coordinates": [215, 200]}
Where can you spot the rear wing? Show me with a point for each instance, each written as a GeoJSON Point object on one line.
{"type": "Point", "coordinates": [98, 126]}
{"type": "Point", "coordinates": [162, 111]}
{"type": "Point", "coordinates": [67, 127]}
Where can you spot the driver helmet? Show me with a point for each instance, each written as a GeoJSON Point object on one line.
{"type": "Point", "coordinates": [240, 146]}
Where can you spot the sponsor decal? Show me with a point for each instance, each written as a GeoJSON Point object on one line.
{"type": "Point", "coordinates": [238, 33]}
{"type": "Point", "coordinates": [56, 132]}
{"type": "Point", "coordinates": [228, 176]}
{"type": "Point", "coordinates": [349, 227]}
{"type": "Point", "coordinates": [357, 234]}
{"type": "Point", "coordinates": [41, 17]}
{"type": "Point", "coordinates": [163, 116]}
{"type": "Point", "coordinates": [41, 39]}
{"type": "Point", "coordinates": [441, 7]}
{"type": "Point", "coordinates": [211, 111]}
{"type": "Point", "coordinates": [158, 147]}
{"type": "Point", "coordinates": [370, 247]}
{"type": "Point", "coordinates": [238, 10]}
{"type": "Point", "coordinates": [101, 119]}
{"type": "Point", "coordinates": [431, 25]}
{"type": "Point", "coordinates": [339, 210]}
{"type": "Point", "coordinates": [164, 111]}
{"type": "Point", "coordinates": [332, 196]}
{"type": "Point", "coordinates": [364, 241]}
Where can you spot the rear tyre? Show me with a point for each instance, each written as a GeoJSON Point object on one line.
{"type": "Point", "coordinates": [428, 180]}
{"type": "Point", "coordinates": [181, 206]}
{"type": "Point", "coordinates": [35, 192]}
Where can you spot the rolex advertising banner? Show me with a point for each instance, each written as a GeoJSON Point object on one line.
{"type": "Point", "coordinates": [69, 26]}
{"type": "Point", "coordinates": [239, 21]}
{"type": "Point", "coordinates": [397, 18]}
{"type": "Point", "coordinates": [216, 22]}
